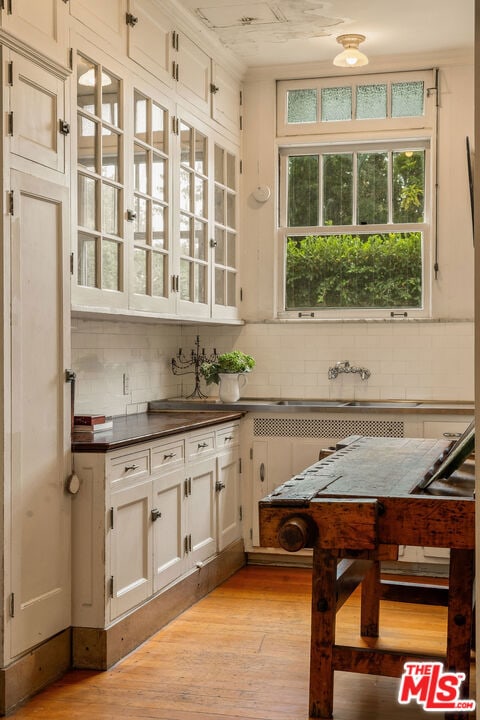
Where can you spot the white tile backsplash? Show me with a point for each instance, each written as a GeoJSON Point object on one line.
{"type": "Point", "coordinates": [411, 360]}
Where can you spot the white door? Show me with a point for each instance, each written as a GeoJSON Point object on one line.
{"type": "Point", "coordinates": [201, 523]}
{"type": "Point", "coordinates": [168, 518]}
{"type": "Point", "coordinates": [40, 413]}
{"type": "Point", "coordinates": [228, 499]}
{"type": "Point", "coordinates": [149, 38]}
{"type": "Point", "coordinates": [43, 22]}
{"type": "Point", "coordinates": [194, 74]}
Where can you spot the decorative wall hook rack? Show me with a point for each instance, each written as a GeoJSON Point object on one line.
{"type": "Point", "coordinates": [190, 364]}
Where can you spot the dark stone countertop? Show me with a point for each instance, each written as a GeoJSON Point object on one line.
{"type": "Point", "coordinates": [143, 427]}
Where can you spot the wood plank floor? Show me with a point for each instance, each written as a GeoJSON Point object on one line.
{"type": "Point", "coordinates": [243, 653]}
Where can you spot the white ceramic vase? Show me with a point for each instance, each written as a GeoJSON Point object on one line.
{"type": "Point", "coordinates": [230, 386]}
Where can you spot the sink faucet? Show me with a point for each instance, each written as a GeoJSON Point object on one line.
{"type": "Point", "coordinates": [345, 367]}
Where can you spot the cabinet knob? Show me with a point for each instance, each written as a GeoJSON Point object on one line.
{"type": "Point", "coordinates": [156, 514]}
{"type": "Point", "coordinates": [219, 485]}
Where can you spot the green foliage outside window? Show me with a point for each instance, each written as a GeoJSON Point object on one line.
{"type": "Point", "coordinates": [354, 271]}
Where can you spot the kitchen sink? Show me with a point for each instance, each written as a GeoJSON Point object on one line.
{"type": "Point", "coordinates": [311, 403]}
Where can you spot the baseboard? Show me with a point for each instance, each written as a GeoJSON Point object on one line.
{"type": "Point", "coordinates": [34, 671]}
{"type": "Point", "coordinates": [98, 649]}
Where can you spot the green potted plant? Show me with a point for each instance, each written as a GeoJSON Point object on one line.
{"type": "Point", "coordinates": [228, 371]}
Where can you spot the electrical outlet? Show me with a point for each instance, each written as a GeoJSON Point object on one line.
{"type": "Point", "coordinates": [126, 384]}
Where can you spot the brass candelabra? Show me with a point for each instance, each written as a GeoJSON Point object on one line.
{"type": "Point", "coordinates": [190, 364]}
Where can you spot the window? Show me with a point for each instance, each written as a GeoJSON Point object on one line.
{"type": "Point", "coordinates": [355, 214]}
{"type": "Point", "coordinates": [99, 179]}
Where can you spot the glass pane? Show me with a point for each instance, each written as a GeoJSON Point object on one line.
{"type": "Point", "coordinates": [199, 283]}
{"type": "Point", "coordinates": [158, 227]}
{"type": "Point", "coordinates": [86, 143]}
{"type": "Point", "coordinates": [354, 271]}
{"type": "Point", "coordinates": [185, 285]}
{"type": "Point", "coordinates": [110, 99]}
{"type": "Point", "coordinates": [110, 154]}
{"type": "Point", "coordinates": [231, 250]}
{"type": "Point", "coordinates": [303, 190]}
{"type": "Point", "coordinates": [86, 81]}
{"type": "Point", "coordinates": [87, 261]}
{"type": "Point", "coordinates": [219, 174]}
{"type": "Point", "coordinates": [185, 193]}
{"type": "Point", "coordinates": [110, 205]}
{"type": "Point", "coordinates": [158, 127]}
{"type": "Point", "coordinates": [87, 202]}
{"type": "Point", "coordinates": [407, 99]}
{"type": "Point", "coordinates": [200, 197]}
{"type": "Point", "coordinates": [200, 153]}
{"type": "Point", "coordinates": [302, 106]}
{"type": "Point", "coordinates": [140, 228]}
{"type": "Point", "coordinates": [372, 191]}
{"type": "Point", "coordinates": [140, 168]}
{"type": "Point", "coordinates": [336, 104]}
{"type": "Point", "coordinates": [231, 289]}
{"type": "Point", "coordinates": [337, 189]}
{"type": "Point", "coordinates": [219, 205]}
{"type": "Point", "coordinates": [219, 286]}
{"type": "Point", "coordinates": [231, 210]}
{"type": "Point", "coordinates": [231, 177]}
{"type": "Point", "coordinates": [140, 116]}
{"type": "Point", "coordinates": [158, 275]}
{"type": "Point", "coordinates": [408, 186]}
{"type": "Point", "coordinates": [185, 144]}
{"type": "Point", "coordinates": [200, 241]}
{"type": "Point", "coordinates": [140, 270]}
{"type": "Point", "coordinates": [185, 234]}
{"type": "Point", "coordinates": [371, 102]}
{"type": "Point", "coordinates": [110, 265]}
{"type": "Point", "coordinates": [219, 246]}
{"type": "Point", "coordinates": [158, 177]}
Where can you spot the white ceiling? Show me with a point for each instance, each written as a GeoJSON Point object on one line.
{"type": "Point", "coordinates": [271, 32]}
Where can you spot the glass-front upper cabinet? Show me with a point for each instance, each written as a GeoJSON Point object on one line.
{"type": "Point", "coordinates": [100, 183]}
{"type": "Point", "coordinates": [225, 234]}
{"type": "Point", "coordinates": [151, 284]}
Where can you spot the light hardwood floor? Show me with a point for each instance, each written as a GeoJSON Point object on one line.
{"type": "Point", "coordinates": [243, 653]}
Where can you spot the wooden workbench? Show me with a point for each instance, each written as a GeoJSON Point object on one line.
{"type": "Point", "coordinates": [354, 508]}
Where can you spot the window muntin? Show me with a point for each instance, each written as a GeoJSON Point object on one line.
{"type": "Point", "coordinates": [100, 185]}
{"type": "Point", "coordinates": [354, 226]}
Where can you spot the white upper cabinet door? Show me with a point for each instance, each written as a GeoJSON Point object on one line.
{"type": "Point", "coordinates": [37, 135]}
{"type": "Point", "coordinates": [193, 73]}
{"type": "Point", "coordinates": [150, 38]}
{"type": "Point", "coordinates": [225, 99]}
{"type": "Point", "coordinates": [107, 18]}
{"type": "Point", "coordinates": [42, 24]}
{"type": "Point", "coordinates": [39, 555]}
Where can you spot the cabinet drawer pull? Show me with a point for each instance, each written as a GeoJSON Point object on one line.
{"type": "Point", "coordinates": [230, 437]}
{"type": "Point", "coordinates": [169, 456]}
{"type": "Point", "coordinates": [202, 445]}
{"type": "Point", "coordinates": [451, 435]}
{"type": "Point", "coordinates": [131, 467]}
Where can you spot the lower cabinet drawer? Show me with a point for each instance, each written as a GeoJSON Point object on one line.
{"type": "Point", "coordinates": [168, 454]}
{"type": "Point", "coordinates": [132, 466]}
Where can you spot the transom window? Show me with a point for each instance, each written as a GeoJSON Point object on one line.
{"type": "Point", "coordinates": [355, 208]}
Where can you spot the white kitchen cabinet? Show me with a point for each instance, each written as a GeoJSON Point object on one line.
{"type": "Point", "coordinates": [147, 515]}
{"type": "Point", "coordinates": [444, 429]}
{"type": "Point", "coordinates": [193, 73]}
{"type": "Point", "coordinates": [226, 97]}
{"type": "Point", "coordinates": [150, 39]}
{"type": "Point", "coordinates": [42, 24]}
{"type": "Point", "coordinates": [106, 18]}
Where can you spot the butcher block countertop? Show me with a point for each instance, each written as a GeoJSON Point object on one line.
{"type": "Point", "coordinates": [143, 427]}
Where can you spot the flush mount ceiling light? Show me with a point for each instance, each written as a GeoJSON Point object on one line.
{"type": "Point", "coordinates": [89, 79]}
{"type": "Point", "coordinates": [351, 56]}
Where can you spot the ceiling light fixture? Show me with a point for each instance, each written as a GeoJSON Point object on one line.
{"type": "Point", "coordinates": [351, 56]}
{"type": "Point", "coordinates": [89, 78]}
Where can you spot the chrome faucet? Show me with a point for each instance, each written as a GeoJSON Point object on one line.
{"type": "Point", "coordinates": [345, 367]}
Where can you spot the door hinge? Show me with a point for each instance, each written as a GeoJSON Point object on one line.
{"type": "Point", "coordinates": [175, 70]}
{"type": "Point", "coordinates": [10, 202]}
{"type": "Point", "coordinates": [175, 40]}
{"type": "Point", "coordinates": [240, 121]}
{"type": "Point", "coordinates": [175, 125]}
{"type": "Point", "coordinates": [111, 518]}
{"type": "Point", "coordinates": [240, 465]}
{"type": "Point", "coordinates": [251, 533]}
{"type": "Point", "coordinates": [70, 58]}
{"type": "Point", "coordinates": [72, 260]}
{"type": "Point", "coordinates": [240, 513]}
{"type": "Point", "coordinates": [10, 123]}
{"type": "Point", "coordinates": [241, 97]}
{"type": "Point", "coordinates": [9, 7]}
{"type": "Point", "coordinates": [64, 127]}
{"type": "Point", "coordinates": [11, 605]}
{"type": "Point", "coordinates": [240, 165]}
{"type": "Point", "coordinates": [241, 294]}
{"type": "Point", "coordinates": [10, 72]}
{"type": "Point", "coordinates": [131, 20]}
{"type": "Point", "coordinates": [175, 283]}
{"type": "Point", "coordinates": [110, 586]}
{"type": "Point", "coordinates": [251, 453]}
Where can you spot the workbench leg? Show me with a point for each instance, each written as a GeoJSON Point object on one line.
{"type": "Point", "coordinates": [460, 618]}
{"type": "Point", "coordinates": [323, 633]}
{"type": "Point", "coordinates": [370, 603]}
